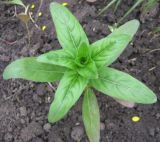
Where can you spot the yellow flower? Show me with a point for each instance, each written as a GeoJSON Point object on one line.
{"type": "Point", "coordinates": [32, 6]}
{"type": "Point", "coordinates": [44, 28]}
{"type": "Point", "coordinates": [65, 4]}
{"type": "Point", "coordinates": [136, 118]}
{"type": "Point", "coordinates": [40, 14]}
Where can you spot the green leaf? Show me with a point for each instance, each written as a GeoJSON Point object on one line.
{"type": "Point", "coordinates": [88, 71]}
{"type": "Point", "coordinates": [29, 69]}
{"type": "Point", "coordinates": [69, 31]}
{"type": "Point", "coordinates": [83, 55]}
{"type": "Point", "coordinates": [120, 85]}
{"type": "Point", "coordinates": [91, 116]}
{"type": "Point", "coordinates": [70, 89]}
{"type": "Point", "coordinates": [63, 57]}
{"type": "Point", "coordinates": [107, 50]}
{"type": "Point", "coordinates": [18, 2]}
{"type": "Point", "coordinates": [83, 51]}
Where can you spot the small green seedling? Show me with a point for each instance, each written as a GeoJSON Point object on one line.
{"type": "Point", "coordinates": [16, 2]}
{"type": "Point", "coordinates": [25, 16]}
{"type": "Point", "coordinates": [82, 67]}
{"type": "Point", "coordinates": [147, 5]}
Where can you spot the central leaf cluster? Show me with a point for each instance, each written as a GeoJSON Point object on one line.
{"type": "Point", "coordinates": [83, 55]}
{"type": "Point", "coordinates": [85, 65]}
{"type": "Point", "coordinates": [77, 59]}
{"type": "Point", "coordinates": [82, 61]}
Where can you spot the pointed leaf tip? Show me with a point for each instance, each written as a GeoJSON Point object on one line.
{"type": "Point", "coordinates": [108, 49]}
{"type": "Point", "coordinates": [28, 68]}
{"type": "Point", "coordinates": [91, 115]}
{"type": "Point", "coordinates": [69, 31]}
{"type": "Point", "coordinates": [69, 90]}
{"type": "Point", "coordinates": [122, 86]}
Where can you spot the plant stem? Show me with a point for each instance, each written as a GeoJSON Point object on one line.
{"type": "Point", "coordinates": [41, 3]}
{"type": "Point", "coordinates": [130, 10]}
{"type": "Point", "coordinates": [29, 40]}
{"type": "Point", "coordinates": [105, 8]}
{"type": "Point", "coordinates": [117, 4]}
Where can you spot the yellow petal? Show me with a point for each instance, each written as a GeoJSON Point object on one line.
{"type": "Point", "coordinates": [40, 14]}
{"type": "Point", "coordinates": [136, 118]}
{"type": "Point", "coordinates": [65, 4]}
{"type": "Point", "coordinates": [32, 6]}
{"type": "Point", "coordinates": [44, 28]}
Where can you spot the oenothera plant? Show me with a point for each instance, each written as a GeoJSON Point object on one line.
{"type": "Point", "coordinates": [80, 67]}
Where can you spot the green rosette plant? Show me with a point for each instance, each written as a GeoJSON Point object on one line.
{"type": "Point", "coordinates": [80, 67]}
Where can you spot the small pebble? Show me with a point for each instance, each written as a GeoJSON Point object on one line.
{"type": "Point", "coordinates": [158, 116]}
{"type": "Point", "coordinates": [47, 127]}
{"type": "Point", "coordinates": [77, 133]}
{"type": "Point", "coordinates": [77, 123]}
{"type": "Point", "coordinates": [152, 132]}
{"type": "Point", "coordinates": [23, 111]}
{"type": "Point", "coordinates": [37, 98]}
{"type": "Point", "coordinates": [102, 126]}
{"type": "Point", "coordinates": [41, 90]}
{"type": "Point", "coordinates": [22, 121]}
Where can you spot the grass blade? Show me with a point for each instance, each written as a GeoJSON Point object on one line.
{"type": "Point", "coordinates": [108, 6]}
{"type": "Point", "coordinates": [130, 10]}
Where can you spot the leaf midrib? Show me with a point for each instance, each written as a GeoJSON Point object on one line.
{"type": "Point", "coordinates": [118, 84]}
{"type": "Point", "coordinates": [70, 85]}
{"type": "Point", "coordinates": [97, 54]}
{"type": "Point", "coordinates": [41, 70]}
{"type": "Point", "coordinates": [91, 126]}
